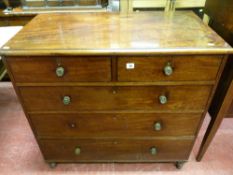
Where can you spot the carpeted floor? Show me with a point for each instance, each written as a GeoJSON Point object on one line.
{"type": "Point", "coordinates": [19, 152]}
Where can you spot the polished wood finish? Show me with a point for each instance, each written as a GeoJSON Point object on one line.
{"type": "Point", "coordinates": [152, 70]}
{"type": "Point", "coordinates": [184, 68]}
{"type": "Point", "coordinates": [180, 98]}
{"type": "Point", "coordinates": [99, 112]}
{"type": "Point", "coordinates": [115, 34]}
{"type": "Point", "coordinates": [43, 69]}
{"type": "Point", "coordinates": [221, 20]}
{"type": "Point", "coordinates": [126, 125]}
{"type": "Point", "coordinates": [116, 150]}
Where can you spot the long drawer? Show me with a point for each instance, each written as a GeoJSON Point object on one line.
{"type": "Point", "coordinates": [115, 150]}
{"type": "Point", "coordinates": [114, 125]}
{"type": "Point", "coordinates": [55, 69]}
{"type": "Point", "coordinates": [173, 68]}
{"type": "Point", "coordinates": [160, 98]}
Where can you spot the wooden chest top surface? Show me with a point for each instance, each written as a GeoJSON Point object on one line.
{"type": "Point", "coordinates": [108, 34]}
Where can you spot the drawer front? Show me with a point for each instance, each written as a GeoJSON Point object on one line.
{"type": "Point", "coordinates": [70, 69]}
{"type": "Point", "coordinates": [115, 125]}
{"type": "Point", "coordinates": [111, 150]}
{"type": "Point", "coordinates": [180, 68]}
{"type": "Point", "coordinates": [159, 98]}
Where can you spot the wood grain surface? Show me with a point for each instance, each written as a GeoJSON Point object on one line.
{"type": "Point", "coordinates": [77, 69]}
{"type": "Point", "coordinates": [115, 34]}
{"type": "Point", "coordinates": [195, 68]}
{"type": "Point", "coordinates": [105, 125]}
{"type": "Point", "coordinates": [185, 98]}
{"type": "Point", "coordinates": [115, 150]}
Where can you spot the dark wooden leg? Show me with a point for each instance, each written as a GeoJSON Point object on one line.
{"type": "Point", "coordinates": [179, 164]}
{"type": "Point", "coordinates": [215, 123]}
{"type": "Point", "coordinates": [52, 164]}
{"type": "Point", "coordinates": [208, 137]}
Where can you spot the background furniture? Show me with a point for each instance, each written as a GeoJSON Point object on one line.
{"type": "Point", "coordinates": [221, 20]}
{"type": "Point", "coordinates": [180, 4]}
{"type": "Point", "coordinates": [5, 34]}
{"type": "Point", "coordinates": [24, 10]}
{"type": "Point", "coordinates": [14, 19]}
{"type": "Point", "coordinates": [114, 94]}
{"type": "Point", "coordinates": [61, 4]}
{"type": "Point", "coordinates": [10, 19]}
{"type": "Point", "coordinates": [20, 12]}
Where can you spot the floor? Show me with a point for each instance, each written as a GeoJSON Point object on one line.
{"type": "Point", "coordinates": [19, 152]}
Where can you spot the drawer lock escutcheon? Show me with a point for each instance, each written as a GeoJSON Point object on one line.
{"type": "Point", "coordinates": [60, 71]}
{"type": "Point", "coordinates": [153, 151]}
{"type": "Point", "coordinates": [72, 125]}
{"type": "Point", "coordinates": [168, 70]}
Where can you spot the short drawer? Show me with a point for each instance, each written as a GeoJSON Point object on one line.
{"type": "Point", "coordinates": [173, 68]}
{"type": "Point", "coordinates": [114, 125]}
{"type": "Point", "coordinates": [115, 150]}
{"type": "Point", "coordinates": [51, 69]}
{"type": "Point", "coordinates": [159, 98]}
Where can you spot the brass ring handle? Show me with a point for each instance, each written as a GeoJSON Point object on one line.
{"type": "Point", "coordinates": [66, 100]}
{"type": "Point", "coordinates": [168, 70]}
{"type": "Point", "coordinates": [60, 71]}
{"type": "Point", "coordinates": [157, 126]}
{"type": "Point", "coordinates": [77, 151]}
{"type": "Point", "coordinates": [163, 99]}
{"type": "Point", "coordinates": [153, 151]}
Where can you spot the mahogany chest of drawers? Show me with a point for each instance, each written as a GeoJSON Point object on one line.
{"type": "Point", "coordinates": [114, 88]}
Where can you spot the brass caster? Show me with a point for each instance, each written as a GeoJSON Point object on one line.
{"type": "Point", "coordinates": [52, 165]}
{"type": "Point", "coordinates": [179, 164]}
